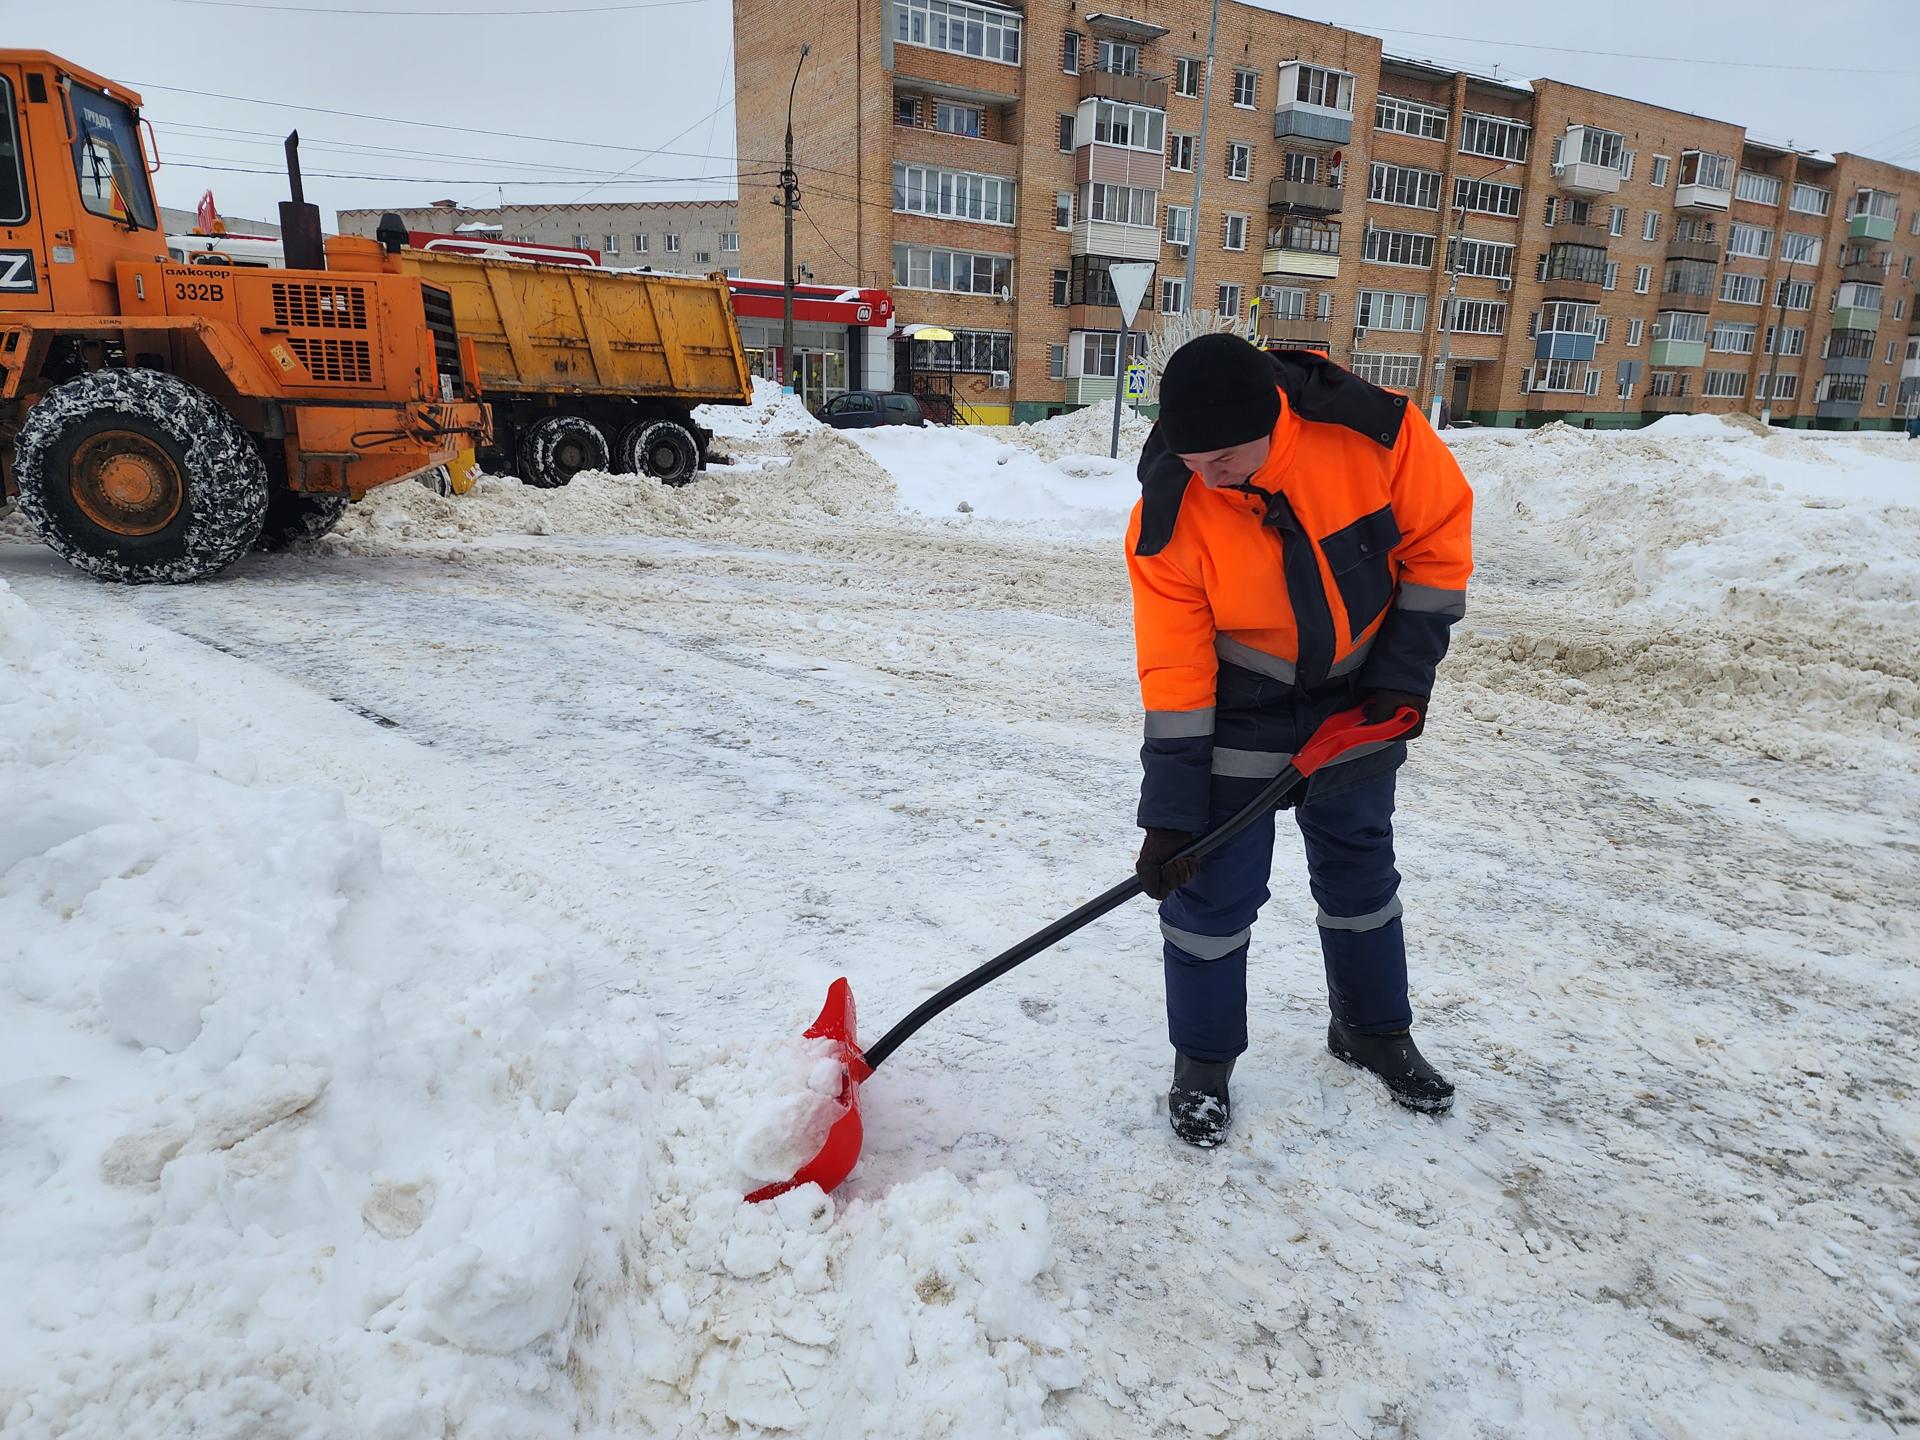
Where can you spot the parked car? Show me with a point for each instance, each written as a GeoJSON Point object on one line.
{"type": "Point", "coordinates": [866, 409]}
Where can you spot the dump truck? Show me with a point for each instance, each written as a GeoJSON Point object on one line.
{"type": "Point", "coordinates": [587, 369]}
{"type": "Point", "coordinates": [158, 419]}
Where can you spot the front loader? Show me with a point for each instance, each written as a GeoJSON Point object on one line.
{"type": "Point", "coordinates": [158, 420]}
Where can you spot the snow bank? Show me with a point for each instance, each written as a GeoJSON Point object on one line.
{"type": "Point", "coordinates": [1086, 431]}
{"type": "Point", "coordinates": [976, 471]}
{"type": "Point", "coordinates": [772, 417]}
{"type": "Point", "coordinates": [292, 1143]}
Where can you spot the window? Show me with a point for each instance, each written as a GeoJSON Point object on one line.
{"type": "Point", "coordinates": [1551, 212]}
{"type": "Point", "coordinates": [1239, 160]}
{"type": "Point", "coordinates": [1233, 232]}
{"type": "Point", "coordinates": [639, 244]}
{"type": "Point", "coordinates": [1066, 134]}
{"type": "Point", "coordinates": [1626, 164]}
{"type": "Point", "coordinates": [1246, 88]}
{"type": "Point", "coordinates": [1786, 340]}
{"type": "Point", "coordinates": [959, 119]}
{"type": "Point", "coordinates": [580, 242]}
{"type": "Point", "coordinates": [1733, 337]}
{"type": "Point", "coordinates": [1487, 258]}
{"type": "Point", "coordinates": [1854, 293]}
{"type": "Point", "coordinates": [952, 194]}
{"type": "Point", "coordinates": [1593, 380]}
{"type": "Point", "coordinates": [1687, 325]}
{"type": "Point", "coordinates": [107, 158]}
{"type": "Point", "coordinates": [1229, 300]}
{"type": "Point", "coordinates": [1784, 387]}
{"type": "Point", "coordinates": [1179, 229]}
{"type": "Point", "coordinates": [610, 244]}
{"type": "Point", "coordinates": [1070, 52]}
{"type": "Point", "coordinates": [1301, 168]}
{"type": "Point", "coordinates": [1284, 302]}
{"type": "Point", "coordinates": [1479, 317]}
{"type": "Point", "coordinates": [1667, 382]}
{"type": "Point", "coordinates": [906, 110]}
{"type": "Point", "coordinates": [1186, 77]}
{"type": "Point", "coordinates": [702, 257]}
{"type": "Point", "coordinates": [673, 244]}
{"type": "Point", "coordinates": [1617, 220]}
{"type": "Point", "coordinates": [1586, 264]}
{"type": "Point", "coordinates": [1409, 117]}
{"type": "Point", "coordinates": [1737, 289]}
{"type": "Point", "coordinates": [1761, 189]}
{"type": "Point", "coordinates": [1568, 317]}
{"type": "Point", "coordinates": [1403, 185]}
{"type": "Point", "coordinates": [1059, 288]}
{"type": "Point", "coordinates": [1100, 354]}
{"type": "Point", "coordinates": [1116, 57]}
{"type": "Point", "coordinates": [1390, 310]}
{"type": "Point", "coordinates": [1329, 89]}
{"type": "Point", "coordinates": [1883, 396]}
{"type": "Point", "coordinates": [1486, 197]}
{"type": "Point", "coordinates": [13, 185]}
{"type": "Point", "coordinates": [1180, 152]}
{"type": "Point", "coordinates": [1650, 225]}
{"type": "Point", "coordinates": [1597, 147]}
{"type": "Point", "coordinates": [1642, 279]}
{"type": "Point", "coordinates": [1661, 165]}
{"type": "Point", "coordinates": [1810, 199]}
{"type": "Point", "coordinates": [1906, 265]}
{"type": "Point", "coordinates": [1900, 308]}
{"type": "Point", "coordinates": [970, 352]}
{"type": "Point", "coordinates": [1063, 209]}
{"type": "Point", "coordinates": [1056, 362]}
{"type": "Point", "coordinates": [1724, 384]}
{"type": "Point", "coordinates": [1800, 249]}
{"type": "Point", "coordinates": [1892, 345]}
{"type": "Point", "coordinates": [730, 242]}
{"type": "Point", "coordinates": [1321, 237]}
{"type": "Point", "coordinates": [1634, 329]}
{"type": "Point", "coordinates": [1794, 295]}
{"type": "Point", "coordinates": [1706, 169]}
{"type": "Point", "coordinates": [1397, 372]}
{"type": "Point", "coordinates": [1750, 242]}
{"type": "Point", "coordinates": [1133, 127]}
{"type": "Point", "coordinates": [1119, 205]}
{"type": "Point", "coordinates": [961, 28]}
{"type": "Point", "coordinates": [1173, 296]}
{"type": "Point", "coordinates": [1494, 136]}
{"type": "Point", "coordinates": [1612, 276]}
{"type": "Point", "coordinates": [959, 272]}
{"type": "Point", "coordinates": [1564, 376]}
{"type": "Point", "coordinates": [1877, 203]}
{"type": "Point", "coordinates": [1399, 247]}
{"type": "Point", "coordinates": [1846, 389]}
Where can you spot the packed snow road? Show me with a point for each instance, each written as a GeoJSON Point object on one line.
{"type": "Point", "coordinates": [717, 746]}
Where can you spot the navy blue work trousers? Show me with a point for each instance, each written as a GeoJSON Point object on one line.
{"type": "Point", "coordinates": [1207, 923]}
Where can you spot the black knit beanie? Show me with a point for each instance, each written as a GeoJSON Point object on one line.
{"type": "Point", "coordinates": [1217, 391]}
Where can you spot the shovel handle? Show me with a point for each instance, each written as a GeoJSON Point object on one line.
{"type": "Point", "coordinates": [1340, 735]}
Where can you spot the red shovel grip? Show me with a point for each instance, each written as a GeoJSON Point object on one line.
{"type": "Point", "coordinates": [1348, 731]}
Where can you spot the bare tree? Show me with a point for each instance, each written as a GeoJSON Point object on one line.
{"type": "Point", "coordinates": [1184, 325]}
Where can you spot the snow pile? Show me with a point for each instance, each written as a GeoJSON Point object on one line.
{"type": "Point", "coordinates": [1768, 584]}
{"type": "Point", "coordinates": [975, 471]}
{"type": "Point", "coordinates": [294, 1143]}
{"type": "Point", "coordinates": [828, 479]}
{"type": "Point", "coordinates": [772, 417]}
{"type": "Point", "coordinates": [1086, 431]}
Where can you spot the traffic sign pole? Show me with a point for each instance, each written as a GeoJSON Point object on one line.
{"type": "Point", "coordinates": [1129, 286]}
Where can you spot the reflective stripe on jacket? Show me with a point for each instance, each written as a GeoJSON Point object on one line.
{"type": "Point", "coordinates": [1340, 567]}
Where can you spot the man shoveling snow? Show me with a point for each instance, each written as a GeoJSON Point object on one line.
{"type": "Point", "coordinates": [1302, 544]}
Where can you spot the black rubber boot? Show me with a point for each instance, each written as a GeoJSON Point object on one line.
{"type": "Point", "coordinates": [1197, 1105]}
{"type": "Point", "coordinates": [1396, 1060]}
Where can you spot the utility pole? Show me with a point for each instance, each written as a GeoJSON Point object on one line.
{"type": "Point", "coordinates": [1200, 160]}
{"type": "Point", "coordinates": [789, 201]}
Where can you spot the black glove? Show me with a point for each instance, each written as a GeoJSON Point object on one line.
{"type": "Point", "coordinates": [1378, 705]}
{"type": "Point", "coordinates": [1158, 878]}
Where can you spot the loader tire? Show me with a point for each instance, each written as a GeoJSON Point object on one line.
{"type": "Point", "coordinates": [137, 476]}
{"type": "Point", "coordinates": [663, 449]}
{"type": "Point", "coordinates": [293, 517]}
{"type": "Point", "coordinates": [558, 448]}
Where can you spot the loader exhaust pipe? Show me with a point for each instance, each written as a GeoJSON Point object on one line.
{"type": "Point", "coordinates": [300, 222]}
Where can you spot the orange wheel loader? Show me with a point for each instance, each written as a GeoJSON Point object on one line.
{"type": "Point", "coordinates": [158, 421]}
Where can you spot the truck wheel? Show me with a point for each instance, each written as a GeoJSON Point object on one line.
{"type": "Point", "coordinates": [293, 517]}
{"type": "Point", "coordinates": [137, 476]}
{"type": "Point", "coordinates": [558, 448]}
{"type": "Point", "coordinates": [663, 449]}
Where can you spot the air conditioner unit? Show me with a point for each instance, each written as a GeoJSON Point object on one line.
{"type": "Point", "coordinates": [1559, 169]}
{"type": "Point", "coordinates": [1505, 283]}
{"type": "Point", "coordinates": [999, 380]}
{"type": "Point", "coordinates": [1180, 249]}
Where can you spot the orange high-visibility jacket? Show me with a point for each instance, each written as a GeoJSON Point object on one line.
{"type": "Point", "coordinates": [1338, 569]}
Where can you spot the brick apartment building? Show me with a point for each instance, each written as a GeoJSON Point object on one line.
{"type": "Point", "coordinates": [1609, 260]}
{"type": "Point", "coordinates": [692, 235]}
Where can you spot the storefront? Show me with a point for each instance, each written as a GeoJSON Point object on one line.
{"type": "Point", "coordinates": [839, 336]}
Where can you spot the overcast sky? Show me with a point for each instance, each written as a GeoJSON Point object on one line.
{"type": "Point", "coordinates": [597, 91]}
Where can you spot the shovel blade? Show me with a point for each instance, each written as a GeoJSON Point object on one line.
{"type": "Point", "coordinates": [840, 1152]}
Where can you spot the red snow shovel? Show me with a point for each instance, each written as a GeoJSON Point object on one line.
{"type": "Point", "coordinates": [1342, 735]}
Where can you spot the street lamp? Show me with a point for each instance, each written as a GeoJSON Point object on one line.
{"type": "Point", "coordinates": [789, 198]}
{"type": "Point", "coordinates": [1445, 358]}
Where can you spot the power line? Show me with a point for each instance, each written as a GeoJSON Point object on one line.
{"type": "Point", "coordinates": [656, 150]}
{"type": "Point", "coordinates": [435, 14]}
{"type": "Point", "coordinates": [190, 164]}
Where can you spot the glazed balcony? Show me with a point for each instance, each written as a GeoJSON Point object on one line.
{"type": "Point", "coordinates": [1297, 334]}
{"type": "Point", "coordinates": [1589, 163]}
{"type": "Point", "coordinates": [1651, 404]}
{"type": "Point", "coordinates": [1677, 354]}
{"type": "Point", "coordinates": [1299, 198]}
{"type": "Point", "coordinates": [1129, 89]}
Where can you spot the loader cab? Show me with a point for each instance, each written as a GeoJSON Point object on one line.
{"type": "Point", "coordinates": [76, 194]}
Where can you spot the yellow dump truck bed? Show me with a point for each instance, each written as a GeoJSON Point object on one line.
{"type": "Point", "coordinates": [559, 330]}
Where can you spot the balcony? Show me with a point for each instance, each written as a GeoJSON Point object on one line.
{"type": "Point", "coordinates": [1118, 242]}
{"type": "Point", "coordinates": [1836, 410]}
{"type": "Point", "coordinates": [1583, 176]}
{"type": "Point", "coordinates": [1563, 345]}
{"type": "Point", "coordinates": [1869, 227]}
{"type": "Point", "coordinates": [1312, 264]}
{"type": "Point", "coordinates": [1677, 354]}
{"type": "Point", "coordinates": [1297, 120]}
{"type": "Point", "coordinates": [1856, 317]}
{"type": "Point", "coordinates": [1304, 199]}
{"type": "Point", "coordinates": [1573, 287]}
{"type": "Point", "coordinates": [1582, 232]}
{"type": "Point", "coordinates": [1866, 272]}
{"type": "Point", "coordinates": [1107, 317]}
{"type": "Point", "coordinates": [933, 71]}
{"type": "Point", "coordinates": [1119, 165]}
{"type": "Point", "coordinates": [1299, 334]}
{"type": "Point", "coordinates": [1707, 249]}
{"type": "Point", "coordinates": [1089, 389]}
{"type": "Point", "coordinates": [1129, 89]}
{"type": "Point", "coordinates": [1849, 364]}
{"type": "Point", "coordinates": [1651, 404]}
{"type": "Point", "coordinates": [1698, 199]}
